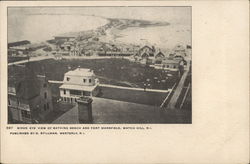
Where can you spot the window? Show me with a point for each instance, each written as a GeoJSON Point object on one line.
{"type": "Point", "coordinates": [89, 80]}
{"type": "Point", "coordinates": [68, 78]}
{"type": "Point", "coordinates": [87, 93]}
{"type": "Point", "coordinates": [47, 105]}
{"type": "Point", "coordinates": [44, 85]}
{"type": "Point", "coordinates": [45, 95]}
{"type": "Point", "coordinates": [64, 91]}
{"type": "Point", "coordinates": [9, 102]}
{"type": "Point", "coordinates": [174, 66]}
{"type": "Point", "coordinates": [75, 92]}
{"type": "Point", "coordinates": [25, 113]}
{"type": "Point", "coordinates": [44, 107]}
{"type": "Point", "coordinates": [64, 99]}
{"type": "Point", "coordinates": [84, 80]}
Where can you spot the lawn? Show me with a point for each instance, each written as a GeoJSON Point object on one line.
{"type": "Point", "coordinates": [15, 59]}
{"type": "Point", "coordinates": [141, 97]}
{"type": "Point", "coordinates": [109, 71]}
{"type": "Point", "coordinates": [120, 72]}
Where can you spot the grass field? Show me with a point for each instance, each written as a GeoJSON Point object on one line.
{"type": "Point", "coordinates": [109, 71]}
{"type": "Point", "coordinates": [141, 97]}
{"type": "Point", "coordinates": [115, 71]}
{"type": "Point", "coordinates": [15, 59]}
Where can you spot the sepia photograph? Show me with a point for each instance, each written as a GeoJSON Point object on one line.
{"type": "Point", "coordinates": [99, 64]}
{"type": "Point", "coordinates": [124, 81]}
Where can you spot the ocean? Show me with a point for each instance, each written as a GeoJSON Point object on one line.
{"type": "Point", "coordinates": [38, 28]}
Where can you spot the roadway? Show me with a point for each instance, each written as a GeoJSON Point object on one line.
{"type": "Point", "coordinates": [38, 58]}
{"type": "Point", "coordinates": [177, 92]}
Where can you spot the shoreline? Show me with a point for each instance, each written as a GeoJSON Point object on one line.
{"type": "Point", "coordinates": [115, 26]}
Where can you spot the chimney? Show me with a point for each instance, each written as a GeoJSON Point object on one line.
{"type": "Point", "coordinates": [85, 110]}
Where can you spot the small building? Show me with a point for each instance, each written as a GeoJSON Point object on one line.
{"type": "Point", "coordinates": [29, 96]}
{"type": "Point", "coordinates": [57, 56]}
{"type": "Point", "coordinates": [171, 64]}
{"type": "Point", "coordinates": [179, 50]}
{"type": "Point", "coordinates": [62, 53]}
{"type": "Point", "coordinates": [159, 57]}
{"type": "Point", "coordinates": [19, 43]}
{"type": "Point", "coordinates": [147, 50]}
{"type": "Point", "coordinates": [65, 37]}
{"type": "Point", "coordinates": [77, 83]}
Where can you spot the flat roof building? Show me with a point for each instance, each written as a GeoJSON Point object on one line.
{"type": "Point", "coordinates": [77, 83]}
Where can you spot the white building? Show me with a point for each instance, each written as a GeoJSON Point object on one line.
{"type": "Point", "coordinates": [77, 83]}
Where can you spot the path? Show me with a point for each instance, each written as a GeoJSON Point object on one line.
{"type": "Point", "coordinates": [119, 87]}
{"type": "Point", "coordinates": [136, 89]}
{"type": "Point", "coordinates": [174, 98]}
{"type": "Point", "coordinates": [31, 60]}
{"type": "Point", "coordinates": [39, 58]}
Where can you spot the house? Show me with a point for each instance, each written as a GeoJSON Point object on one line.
{"type": "Point", "coordinates": [146, 51]}
{"type": "Point", "coordinates": [159, 57]}
{"type": "Point", "coordinates": [77, 83]}
{"type": "Point", "coordinates": [178, 57]}
{"type": "Point", "coordinates": [19, 43]}
{"type": "Point", "coordinates": [171, 64]}
{"type": "Point", "coordinates": [24, 49]}
{"type": "Point", "coordinates": [12, 52]}
{"type": "Point", "coordinates": [67, 46]}
{"type": "Point", "coordinates": [62, 53]}
{"type": "Point", "coordinates": [29, 96]}
{"type": "Point", "coordinates": [65, 37]}
{"type": "Point", "coordinates": [179, 50]}
{"type": "Point", "coordinates": [57, 56]}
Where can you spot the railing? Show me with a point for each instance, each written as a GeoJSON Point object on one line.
{"type": "Point", "coordinates": [27, 120]}
{"type": "Point", "coordinates": [20, 106]}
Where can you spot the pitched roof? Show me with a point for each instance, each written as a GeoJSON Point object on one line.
{"type": "Point", "coordinates": [24, 81]}
{"type": "Point", "coordinates": [160, 54]}
{"type": "Point", "coordinates": [146, 46]}
{"type": "Point", "coordinates": [23, 42]}
{"type": "Point", "coordinates": [145, 54]}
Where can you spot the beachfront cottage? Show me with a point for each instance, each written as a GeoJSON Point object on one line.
{"type": "Point", "coordinates": [65, 37]}
{"type": "Point", "coordinates": [77, 83]}
{"type": "Point", "coordinates": [146, 50]}
{"type": "Point", "coordinates": [179, 50]}
{"type": "Point", "coordinates": [159, 57]}
{"type": "Point", "coordinates": [29, 96]}
{"type": "Point", "coordinates": [171, 64]}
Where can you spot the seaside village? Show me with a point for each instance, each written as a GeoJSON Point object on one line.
{"type": "Point", "coordinates": [30, 95]}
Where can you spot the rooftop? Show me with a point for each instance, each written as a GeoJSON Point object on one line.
{"type": "Point", "coordinates": [80, 72]}
{"type": "Point", "coordinates": [115, 112]}
{"type": "Point", "coordinates": [23, 42]}
{"type": "Point", "coordinates": [170, 61]}
{"type": "Point", "coordinates": [25, 82]}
